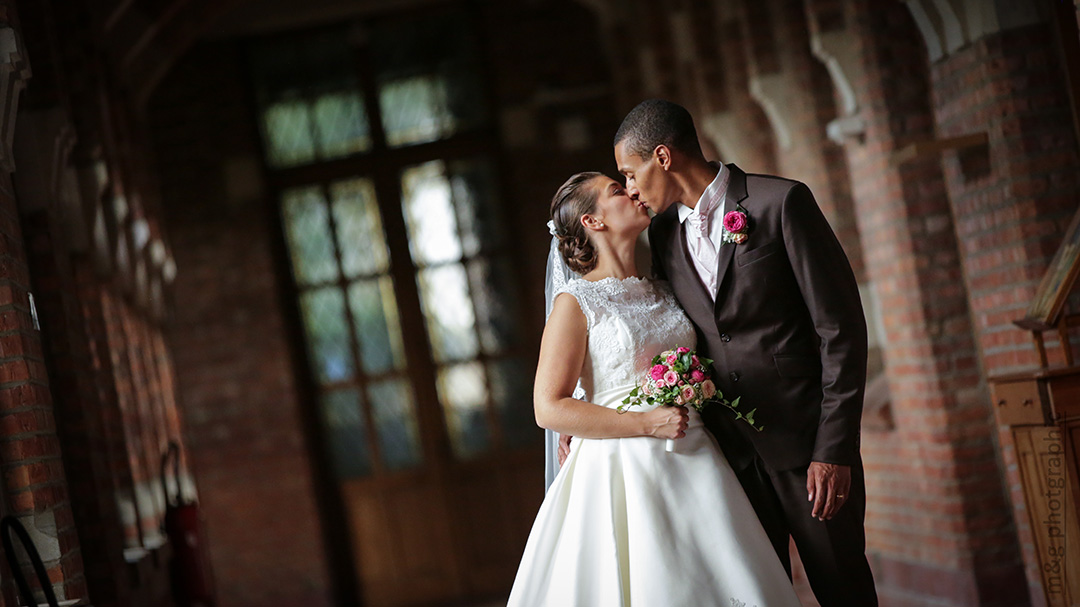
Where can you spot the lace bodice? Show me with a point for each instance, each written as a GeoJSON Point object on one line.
{"type": "Point", "coordinates": [630, 321]}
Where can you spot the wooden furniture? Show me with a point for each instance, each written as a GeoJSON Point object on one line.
{"type": "Point", "coordinates": [1041, 409]}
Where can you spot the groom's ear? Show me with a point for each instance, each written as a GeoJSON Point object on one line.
{"type": "Point", "coordinates": [662, 156]}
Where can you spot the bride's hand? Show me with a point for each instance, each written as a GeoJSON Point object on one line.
{"type": "Point", "coordinates": [666, 422]}
{"type": "Point", "coordinates": [564, 448]}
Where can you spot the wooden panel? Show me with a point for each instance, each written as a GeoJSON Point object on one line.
{"type": "Point", "coordinates": [483, 523]}
{"type": "Point", "coordinates": [1017, 403]}
{"type": "Point", "coordinates": [422, 527]}
{"type": "Point", "coordinates": [1072, 500]}
{"type": "Point", "coordinates": [488, 518]}
{"type": "Point", "coordinates": [1065, 396]}
{"type": "Point", "coordinates": [1052, 511]}
{"type": "Point", "coordinates": [401, 535]}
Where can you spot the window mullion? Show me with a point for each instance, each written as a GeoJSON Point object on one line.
{"type": "Point", "coordinates": [360, 380]}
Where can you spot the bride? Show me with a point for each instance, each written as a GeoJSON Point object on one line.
{"type": "Point", "coordinates": [625, 522]}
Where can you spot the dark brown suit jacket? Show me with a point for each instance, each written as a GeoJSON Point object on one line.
{"type": "Point", "coordinates": [786, 333]}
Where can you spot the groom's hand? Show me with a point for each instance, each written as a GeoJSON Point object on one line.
{"type": "Point", "coordinates": [564, 447]}
{"type": "Point", "coordinates": [827, 485]}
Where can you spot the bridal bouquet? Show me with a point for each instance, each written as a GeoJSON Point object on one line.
{"type": "Point", "coordinates": [680, 377]}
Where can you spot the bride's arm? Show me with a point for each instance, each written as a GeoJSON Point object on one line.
{"type": "Point", "coordinates": [562, 354]}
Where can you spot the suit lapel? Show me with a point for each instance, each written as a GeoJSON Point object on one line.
{"type": "Point", "coordinates": [736, 193]}
{"type": "Point", "coordinates": [684, 278]}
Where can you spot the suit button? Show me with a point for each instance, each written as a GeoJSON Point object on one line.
{"type": "Point", "coordinates": [734, 376]}
{"type": "Point", "coordinates": [724, 337]}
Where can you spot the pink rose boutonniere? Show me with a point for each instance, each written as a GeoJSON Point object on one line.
{"type": "Point", "coordinates": [736, 225]}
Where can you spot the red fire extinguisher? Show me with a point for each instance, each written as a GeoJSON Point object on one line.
{"type": "Point", "coordinates": [192, 578]}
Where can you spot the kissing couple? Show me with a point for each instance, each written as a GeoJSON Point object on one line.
{"type": "Point", "coordinates": [748, 273]}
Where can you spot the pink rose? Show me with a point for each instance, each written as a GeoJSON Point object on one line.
{"type": "Point", "coordinates": [682, 350]}
{"type": "Point", "coordinates": [738, 238]}
{"type": "Point", "coordinates": [657, 372]}
{"type": "Point", "coordinates": [734, 221]}
{"type": "Point", "coordinates": [708, 389]}
{"type": "Point", "coordinates": [694, 362]}
{"type": "Point", "coordinates": [697, 376]}
{"type": "Point", "coordinates": [682, 383]}
{"type": "Point", "coordinates": [661, 384]}
{"type": "Point", "coordinates": [679, 400]}
{"type": "Point", "coordinates": [672, 358]}
{"type": "Point", "coordinates": [687, 394]}
{"type": "Point", "coordinates": [670, 378]}
{"type": "Point", "coordinates": [647, 389]}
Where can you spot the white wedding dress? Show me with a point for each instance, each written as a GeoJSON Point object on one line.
{"type": "Point", "coordinates": [626, 523]}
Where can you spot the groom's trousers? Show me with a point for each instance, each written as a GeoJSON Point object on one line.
{"type": "Point", "coordinates": [832, 552]}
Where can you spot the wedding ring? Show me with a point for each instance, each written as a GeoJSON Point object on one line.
{"type": "Point", "coordinates": [840, 496]}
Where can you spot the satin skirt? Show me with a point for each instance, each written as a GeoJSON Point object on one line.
{"type": "Point", "coordinates": [626, 523]}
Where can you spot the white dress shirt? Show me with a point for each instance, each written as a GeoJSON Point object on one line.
{"type": "Point", "coordinates": [712, 202]}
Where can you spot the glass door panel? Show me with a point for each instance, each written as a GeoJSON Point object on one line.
{"type": "Point", "coordinates": [467, 296]}
{"type": "Point", "coordinates": [428, 85]}
{"type": "Point", "coordinates": [328, 334]}
{"type": "Point", "coordinates": [341, 264]}
{"type": "Point", "coordinates": [395, 416]}
{"type": "Point", "coordinates": [311, 99]}
{"type": "Point", "coordinates": [307, 225]}
{"type": "Point", "coordinates": [347, 432]}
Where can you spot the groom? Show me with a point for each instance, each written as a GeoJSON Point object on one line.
{"type": "Point", "coordinates": [776, 306]}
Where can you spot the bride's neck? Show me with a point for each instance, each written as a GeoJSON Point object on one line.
{"type": "Point", "coordinates": [614, 260]}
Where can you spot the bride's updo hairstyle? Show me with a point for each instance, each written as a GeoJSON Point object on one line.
{"type": "Point", "coordinates": [575, 198]}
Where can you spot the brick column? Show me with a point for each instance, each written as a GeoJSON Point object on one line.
{"type": "Point", "coordinates": [732, 119]}
{"type": "Point", "coordinates": [797, 94]}
{"type": "Point", "coordinates": [938, 524]}
{"type": "Point", "coordinates": [1012, 198]}
{"type": "Point", "coordinates": [35, 488]}
{"type": "Point", "coordinates": [78, 409]}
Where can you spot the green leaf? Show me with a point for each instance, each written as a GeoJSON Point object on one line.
{"type": "Point", "coordinates": [735, 403]}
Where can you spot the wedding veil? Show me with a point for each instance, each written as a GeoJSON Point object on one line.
{"type": "Point", "coordinates": [557, 275]}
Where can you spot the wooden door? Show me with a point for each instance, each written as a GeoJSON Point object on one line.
{"type": "Point", "coordinates": [1050, 489]}
{"type": "Point", "coordinates": [384, 167]}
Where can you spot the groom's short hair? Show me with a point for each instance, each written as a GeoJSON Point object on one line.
{"type": "Point", "coordinates": [658, 122]}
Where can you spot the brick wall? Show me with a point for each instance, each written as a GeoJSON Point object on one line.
{"type": "Point", "coordinates": [757, 152]}
{"type": "Point", "coordinates": [228, 340]}
{"type": "Point", "coordinates": [1012, 199]}
{"type": "Point", "coordinates": [35, 489]}
{"type": "Point", "coordinates": [72, 377]}
{"type": "Point", "coordinates": [938, 526]}
{"type": "Point", "coordinates": [800, 87]}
